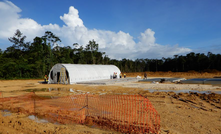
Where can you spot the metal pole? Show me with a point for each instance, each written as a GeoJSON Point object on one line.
{"type": "Point", "coordinates": [34, 107]}
{"type": "Point", "coordinates": [87, 105]}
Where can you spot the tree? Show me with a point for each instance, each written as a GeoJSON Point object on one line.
{"type": "Point", "coordinates": [49, 40]}
{"type": "Point", "coordinates": [35, 59]}
{"type": "Point", "coordinates": [18, 54]}
{"type": "Point", "coordinates": [93, 48]}
{"type": "Point", "coordinates": [18, 40]}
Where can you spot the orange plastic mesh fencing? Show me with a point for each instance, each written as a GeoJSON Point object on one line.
{"type": "Point", "coordinates": [122, 113]}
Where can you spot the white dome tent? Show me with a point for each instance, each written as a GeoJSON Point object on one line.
{"type": "Point", "coordinates": [73, 73]}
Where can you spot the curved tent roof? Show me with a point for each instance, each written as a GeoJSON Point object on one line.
{"type": "Point", "coordinates": [72, 73]}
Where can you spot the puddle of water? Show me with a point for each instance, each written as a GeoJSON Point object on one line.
{"type": "Point", "coordinates": [49, 89]}
{"type": "Point", "coordinates": [162, 79]}
{"type": "Point", "coordinates": [197, 79]}
{"type": "Point", "coordinates": [32, 117]}
{"type": "Point", "coordinates": [5, 113]}
{"type": "Point", "coordinates": [36, 90]}
{"type": "Point", "coordinates": [183, 91]}
{"type": "Point", "coordinates": [41, 120]}
{"type": "Point", "coordinates": [36, 119]}
{"type": "Point", "coordinates": [102, 93]}
{"type": "Point", "coordinates": [212, 81]}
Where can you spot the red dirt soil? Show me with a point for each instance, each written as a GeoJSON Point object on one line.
{"type": "Point", "coordinates": [179, 113]}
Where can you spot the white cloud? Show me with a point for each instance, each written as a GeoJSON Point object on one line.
{"type": "Point", "coordinates": [11, 21]}
{"type": "Point", "coordinates": [72, 19]}
{"type": "Point", "coordinates": [116, 45]}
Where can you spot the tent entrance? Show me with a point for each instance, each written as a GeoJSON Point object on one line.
{"type": "Point", "coordinates": [63, 76]}
{"type": "Point", "coordinates": [58, 77]}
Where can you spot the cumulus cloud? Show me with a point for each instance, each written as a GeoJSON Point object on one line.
{"type": "Point", "coordinates": [11, 21]}
{"type": "Point", "coordinates": [116, 44]}
{"type": "Point", "coordinates": [72, 18]}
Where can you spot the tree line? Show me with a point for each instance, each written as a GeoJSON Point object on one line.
{"type": "Point", "coordinates": [35, 59]}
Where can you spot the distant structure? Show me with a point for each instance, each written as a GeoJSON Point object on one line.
{"type": "Point", "coordinates": [73, 73]}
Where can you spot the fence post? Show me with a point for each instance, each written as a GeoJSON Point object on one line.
{"type": "Point", "coordinates": [34, 106]}
{"type": "Point", "coordinates": [1, 93]}
{"type": "Point", "coordinates": [87, 107]}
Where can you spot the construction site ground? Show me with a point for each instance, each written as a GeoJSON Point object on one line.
{"type": "Point", "coordinates": [181, 111]}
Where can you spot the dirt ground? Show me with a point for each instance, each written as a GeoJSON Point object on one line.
{"type": "Point", "coordinates": [180, 113]}
{"type": "Point", "coordinates": [187, 75]}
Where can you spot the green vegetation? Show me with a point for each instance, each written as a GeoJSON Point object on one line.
{"type": "Point", "coordinates": [35, 59]}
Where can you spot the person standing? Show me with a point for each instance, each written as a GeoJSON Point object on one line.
{"type": "Point", "coordinates": [114, 76]}
{"type": "Point", "coordinates": [45, 78]}
{"type": "Point", "coordinates": [145, 75]}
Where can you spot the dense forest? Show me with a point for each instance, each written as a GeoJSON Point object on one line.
{"type": "Point", "coordinates": [35, 59]}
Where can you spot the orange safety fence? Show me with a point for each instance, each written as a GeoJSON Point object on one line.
{"type": "Point", "coordinates": [122, 113]}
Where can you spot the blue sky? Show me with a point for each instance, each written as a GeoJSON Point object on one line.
{"type": "Point", "coordinates": [123, 28]}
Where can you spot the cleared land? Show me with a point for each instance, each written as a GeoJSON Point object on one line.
{"type": "Point", "coordinates": [180, 113]}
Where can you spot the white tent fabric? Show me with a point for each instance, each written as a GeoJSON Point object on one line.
{"type": "Point", "coordinates": [73, 73]}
